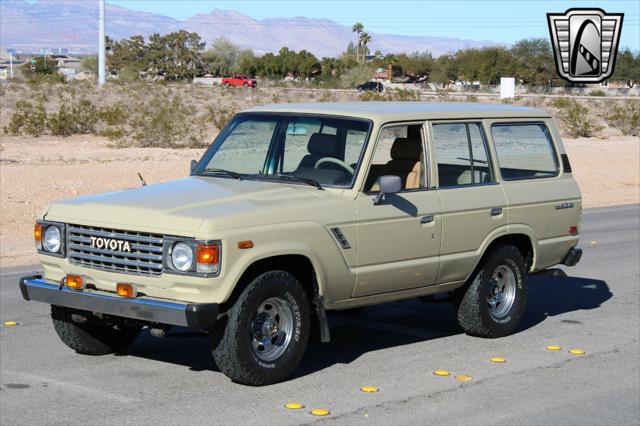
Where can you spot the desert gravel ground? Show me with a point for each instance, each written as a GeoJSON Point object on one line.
{"type": "Point", "coordinates": [37, 171]}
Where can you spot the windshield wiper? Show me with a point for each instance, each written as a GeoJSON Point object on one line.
{"type": "Point", "coordinates": [234, 175]}
{"type": "Point", "coordinates": [308, 181]}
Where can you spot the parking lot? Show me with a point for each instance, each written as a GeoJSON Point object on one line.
{"type": "Point", "coordinates": [394, 347]}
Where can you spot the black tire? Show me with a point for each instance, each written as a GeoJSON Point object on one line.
{"type": "Point", "coordinates": [232, 338]}
{"type": "Point", "coordinates": [473, 306]}
{"type": "Point", "coordinates": [226, 85]}
{"type": "Point", "coordinates": [91, 338]}
{"type": "Point", "coordinates": [245, 85]}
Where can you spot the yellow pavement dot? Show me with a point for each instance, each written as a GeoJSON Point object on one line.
{"type": "Point", "coordinates": [293, 406]}
{"type": "Point", "coordinates": [464, 378]}
{"type": "Point", "coordinates": [576, 351]}
{"type": "Point", "coordinates": [593, 243]}
{"type": "Point", "coordinates": [553, 348]}
{"type": "Point", "coordinates": [442, 373]}
{"type": "Point", "coordinates": [497, 359]}
{"type": "Point", "coordinates": [369, 389]}
{"type": "Point", "coordinates": [10, 323]}
{"type": "Point", "coordinates": [319, 412]}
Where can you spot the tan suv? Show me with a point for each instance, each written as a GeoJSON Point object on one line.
{"type": "Point", "coordinates": [296, 210]}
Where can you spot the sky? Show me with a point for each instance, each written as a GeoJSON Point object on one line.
{"type": "Point", "coordinates": [503, 21]}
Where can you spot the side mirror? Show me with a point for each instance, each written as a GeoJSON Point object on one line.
{"type": "Point", "coordinates": [194, 164]}
{"type": "Point", "coordinates": [389, 184]}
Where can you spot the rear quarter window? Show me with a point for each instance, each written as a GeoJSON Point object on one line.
{"type": "Point", "coordinates": [524, 151]}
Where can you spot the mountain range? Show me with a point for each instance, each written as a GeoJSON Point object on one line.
{"type": "Point", "coordinates": [73, 24]}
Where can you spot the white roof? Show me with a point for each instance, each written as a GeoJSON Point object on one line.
{"type": "Point", "coordinates": [386, 111]}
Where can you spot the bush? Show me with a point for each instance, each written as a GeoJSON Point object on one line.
{"type": "Point", "coordinates": [561, 103]}
{"type": "Point", "coordinates": [165, 123]}
{"type": "Point", "coordinates": [597, 92]}
{"type": "Point", "coordinates": [576, 118]}
{"type": "Point", "coordinates": [355, 76]}
{"type": "Point", "coordinates": [219, 116]}
{"type": "Point", "coordinates": [443, 95]}
{"type": "Point", "coordinates": [625, 117]}
{"type": "Point", "coordinates": [78, 118]}
{"type": "Point", "coordinates": [28, 119]}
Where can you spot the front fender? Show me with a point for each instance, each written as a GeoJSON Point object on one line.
{"type": "Point", "coordinates": [310, 239]}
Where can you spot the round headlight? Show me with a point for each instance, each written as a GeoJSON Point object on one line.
{"type": "Point", "coordinates": [52, 239]}
{"type": "Point", "coordinates": [182, 257]}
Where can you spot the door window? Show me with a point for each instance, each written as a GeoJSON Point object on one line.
{"type": "Point", "coordinates": [461, 154]}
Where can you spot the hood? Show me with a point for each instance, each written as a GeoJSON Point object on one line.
{"type": "Point", "coordinates": [180, 206]}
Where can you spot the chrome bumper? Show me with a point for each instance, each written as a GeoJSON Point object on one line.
{"type": "Point", "coordinates": [193, 315]}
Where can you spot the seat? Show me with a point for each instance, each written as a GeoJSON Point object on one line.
{"type": "Point", "coordinates": [406, 154]}
{"type": "Point", "coordinates": [320, 145]}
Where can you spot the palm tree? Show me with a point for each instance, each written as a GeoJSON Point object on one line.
{"type": "Point", "coordinates": [357, 28]}
{"type": "Point", "coordinates": [365, 39]}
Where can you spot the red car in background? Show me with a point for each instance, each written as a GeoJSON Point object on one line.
{"type": "Point", "coordinates": [239, 80]}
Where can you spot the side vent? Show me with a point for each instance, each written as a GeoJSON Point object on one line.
{"type": "Point", "coordinates": [337, 232]}
{"type": "Point", "coordinates": [566, 165]}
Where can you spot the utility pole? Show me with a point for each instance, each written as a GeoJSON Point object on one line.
{"type": "Point", "coordinates": [101, 46]}
{"type": "Point", "coordinates": [10, 65]}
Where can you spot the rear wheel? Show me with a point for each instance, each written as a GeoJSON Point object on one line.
{"type": "Point", "coordinates": [493, 303]}
{"type": "Point", "coordinates": [226, 85]}
{"type": "Point", "coordinates": [245, 85]}
{"type": "Point", "coordinates": [263, 336]}
{"type": "Point", "coordinates": [82, 332]}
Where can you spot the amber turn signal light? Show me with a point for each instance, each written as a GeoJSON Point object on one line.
{"type": "Point", "coordinates": [37, 232]}
{"type": "Point", "coordinates": [206, 253]}
{"type": "Point", "coordinates": [75, 282]}
{"type": "Point", "coordinates": [247, 244]}
{"type": "Point", "coordinates": [126, 290]}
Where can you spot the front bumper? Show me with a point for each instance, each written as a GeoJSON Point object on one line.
{"type": "Point", "coordinates": [193, 315]}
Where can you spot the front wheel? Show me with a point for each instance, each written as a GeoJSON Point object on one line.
{"type": "Point", "coordinates": [263, 336]}
{"type": "Point", "coordinates": [84, 333]}
{"type": "Point", "coordinates": [494, 301]}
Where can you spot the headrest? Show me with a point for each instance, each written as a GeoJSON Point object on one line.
{"type": "Point", "coordinates": [323, 144]}
{"type": "Point", "coordinates": [408, 149]}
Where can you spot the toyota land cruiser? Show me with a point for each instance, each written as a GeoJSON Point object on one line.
{"type": "Point", "coordinates": [296, 210]}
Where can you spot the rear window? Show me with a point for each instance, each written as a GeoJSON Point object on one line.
{"type": "Point", "coordinates": [524, 150]}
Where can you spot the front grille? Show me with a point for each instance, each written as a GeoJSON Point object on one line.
{"type": "Point", "coordinates": [145, 257]}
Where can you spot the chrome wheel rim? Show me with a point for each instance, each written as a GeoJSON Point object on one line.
{"type": "Point", "coordinates": [271, 329]}
{"type": "Point", "coordinates": [501, 292]}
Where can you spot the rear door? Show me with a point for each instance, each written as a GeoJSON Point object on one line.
{"type": "Point", "coordinates": [473, 203]}
{"type": "Point", "coordinates": [542, 197]}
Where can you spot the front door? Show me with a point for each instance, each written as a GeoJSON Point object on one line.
{"type": "Point", "coordinates": [399, 239]}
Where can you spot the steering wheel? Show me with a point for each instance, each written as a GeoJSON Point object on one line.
{"type": "Point", "coordinates": [333, 160]}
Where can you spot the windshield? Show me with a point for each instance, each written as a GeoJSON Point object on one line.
{"type": "Point", "coordinates": [314, 149]}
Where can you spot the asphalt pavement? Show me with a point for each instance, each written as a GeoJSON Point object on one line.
{"type": "Point", "coordinates": [395, 347]}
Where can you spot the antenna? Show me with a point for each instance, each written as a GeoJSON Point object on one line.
{"type": "Point", "coordinates": [101, 46]}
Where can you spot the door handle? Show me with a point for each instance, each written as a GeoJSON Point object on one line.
{"type": "Point", "coordinates": [496, 211]}
{"type": "Point", "coordinates": [427, 219]}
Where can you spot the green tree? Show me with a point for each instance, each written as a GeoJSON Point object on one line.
{"type": "Point", "coordinates": [445, 70]}
{"type": "Point", "coordinates": [41, 65]}
{"type": "Point", "coordinates": [627, 69]}
{"type": "Point", "coordinates": [365, 38]}
{"type": "Point", "coordinates": [357, 28]}
{"type": "Point", "coordinates": [223, 57]}
{"type": "Point", "coordinates": [533, 61]}
{"type": "Point", "coordinates": [89, 63]}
